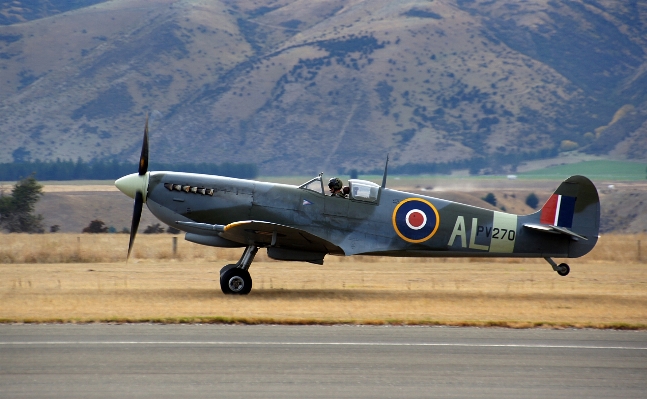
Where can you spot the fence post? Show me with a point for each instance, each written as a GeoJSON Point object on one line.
{"type": "Point", "coordinates": [174, 246]}
{"type": "Point", "coordinates": [639, 257]}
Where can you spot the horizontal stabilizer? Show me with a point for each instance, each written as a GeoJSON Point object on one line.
{"type": "Point", "coordinates": [547, 228]}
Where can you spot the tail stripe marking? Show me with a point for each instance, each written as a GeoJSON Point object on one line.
{"type": "Point", "coordinates": [559, 202]}
{"type": "Point", "coordinates": [549, 210]}
{"type": "Point", "coordinates": [566, 211]}
{"type": "Point", "coordinates": [558, 211]}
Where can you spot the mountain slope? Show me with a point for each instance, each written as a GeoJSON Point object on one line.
{"type": "Point", "coordinates": [303, 86]}
{"type": "Point", "coordinates": [17, 11]}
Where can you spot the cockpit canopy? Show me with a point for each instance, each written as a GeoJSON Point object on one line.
{"type": "Point", "coordinates": [360, 190]}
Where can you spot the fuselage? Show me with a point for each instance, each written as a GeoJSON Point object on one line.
{"type": "Point", "coordinates": [391, 223]}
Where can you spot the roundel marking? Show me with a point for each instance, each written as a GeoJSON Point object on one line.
{"type": "Point", "coordinates": [415, 220]}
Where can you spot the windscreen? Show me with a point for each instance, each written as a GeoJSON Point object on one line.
{"type": "Point", "coordinates": [313, 185]}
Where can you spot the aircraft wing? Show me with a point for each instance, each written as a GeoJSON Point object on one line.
{"type": "Point", "coordinates": [273, 234]}
{"type": "Point", "coordinates": [547, 228]}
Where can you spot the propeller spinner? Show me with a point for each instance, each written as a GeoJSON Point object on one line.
{"type": "Point", "coordinates": [136, 186]}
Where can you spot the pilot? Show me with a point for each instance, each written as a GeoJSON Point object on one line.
{"type": "Point", "coordinates": [336, 187]}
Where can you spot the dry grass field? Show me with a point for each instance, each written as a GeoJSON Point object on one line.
{"type": "Point", "coordinates": [84, 278]}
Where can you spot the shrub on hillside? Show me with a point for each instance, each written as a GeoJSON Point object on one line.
{"type": "Point", "coordinates": [532, 200]}
{"type": "Point", "coordinates": [95, 227]}
{"type": "Point", "coordinates": [154, 229]}
{"type": "Point", "coordinates": [490, 199]}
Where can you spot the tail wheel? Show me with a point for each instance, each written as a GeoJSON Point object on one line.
{"type": "Point", "coordinates": [563, 269]}
{"type": "Point", "coordinates": [235, 281]}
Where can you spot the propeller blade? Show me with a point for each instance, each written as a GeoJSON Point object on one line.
{"type": "Point", "coordinates": [137, 215]}
{"type": "Point", "coordinates": [139, 195]}
{"type": "Point", "coordinates": [143, 159]}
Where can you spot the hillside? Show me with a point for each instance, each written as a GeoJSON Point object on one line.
{"type": "Point", "coordinates": [12, 12]}
{"type": "Point", "coordinates": [304, 86]}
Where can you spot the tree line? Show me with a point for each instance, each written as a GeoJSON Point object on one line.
{"type": "Point", "coordinates": [104, 170]}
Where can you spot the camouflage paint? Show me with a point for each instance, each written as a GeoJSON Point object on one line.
{"type": "Point", "coordinates": [397, 224]}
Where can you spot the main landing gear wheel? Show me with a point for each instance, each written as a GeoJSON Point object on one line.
{"type": "Point", "coordinates": [235, 278]}
{"type": "Point", "coordinates": [235, 281]}
{"type": "Point", "coordinates": [563, 269]}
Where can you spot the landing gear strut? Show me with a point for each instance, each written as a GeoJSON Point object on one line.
{"type": "Point", "coordinates": [562, 269]}
{"type": "Point", "coordinates": [235, 278]}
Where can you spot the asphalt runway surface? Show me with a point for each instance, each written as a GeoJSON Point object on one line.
{"type": "Point", "coordinates": [229, 361]}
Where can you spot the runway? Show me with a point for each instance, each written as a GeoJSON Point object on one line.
{"type": "Point", "coordinates": [143, 360]}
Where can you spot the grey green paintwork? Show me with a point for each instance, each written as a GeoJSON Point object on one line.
{"type": "Point", "coordinates": [297, 219]}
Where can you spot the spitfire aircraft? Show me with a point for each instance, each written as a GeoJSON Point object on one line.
{"type": "Point", "coordinates": [304, 223]}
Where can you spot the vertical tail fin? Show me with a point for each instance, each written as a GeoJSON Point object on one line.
{"type": "Point", "coordinates": [573, 208]}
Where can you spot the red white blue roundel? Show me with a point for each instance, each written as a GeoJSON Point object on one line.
{"type": "Point", "coordinates": [415, 220]}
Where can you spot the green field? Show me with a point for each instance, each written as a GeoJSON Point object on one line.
{"type": "Point", "coordinates": [611, 170]}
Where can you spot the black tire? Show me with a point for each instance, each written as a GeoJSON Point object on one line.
{"type": "Point", "coordinates": [227, 267]}
{"type": "Point", "coordinates": [563, 269]}
{"type": "Point", "coordinates": [235, 281]}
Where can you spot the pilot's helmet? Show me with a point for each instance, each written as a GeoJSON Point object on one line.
{"type": "Point", "coordinates": [335, 183]}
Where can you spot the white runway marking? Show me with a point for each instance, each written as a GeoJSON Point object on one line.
{"type": "Point", "coordinates": [260, 343]}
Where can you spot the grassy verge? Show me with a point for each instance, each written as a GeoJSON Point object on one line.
{"type": "Point", "coordinates": [111, 248]}
{"type": "Point", "coordinates": [597, 294]}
